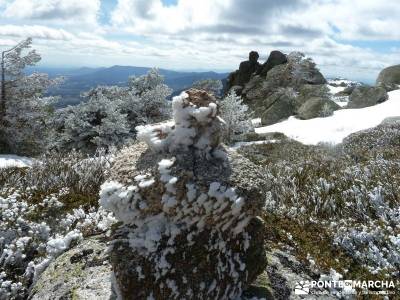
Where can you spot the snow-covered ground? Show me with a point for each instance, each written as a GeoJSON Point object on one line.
{"type": "Point", "coordinates": [9, 160]}
{"type": "Point", "coordinates": [335, 89]}
{"type": "Point", "coordinates": [342, 123]}
{"type": "Point", "coordinates": [338, 85]}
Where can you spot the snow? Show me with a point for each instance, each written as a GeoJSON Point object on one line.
{"type": "Point", "coordinates": [342, 101]}
{"type": "Point", "coordinates": [342, 123]}
{"type": "Point", "coordinates": [9, 161]}
{"type": "Point", "coordinates": [256, 122]}
{"type": "Point", "coordinates": [60, 244]}
{"type": "Point", "coordinates": [335, 89]}
{"type": "Point", "coordinates": [151, 134]}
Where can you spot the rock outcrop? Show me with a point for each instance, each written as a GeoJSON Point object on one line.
{"type": "Point", "coordinates": [240, 77]}
{"type": "Point", "coordinates": [364, 96]}
{"type": "Point", "coordinates": [275, 58]}
{"type": "Point", "coordinates": [284, 89]}
{"type": "Point", "coordinates": [279, 106]}
{"type": "Point", "coordinates": [389, 75]}
{"type": "Point", "coordinates": [189, 210]}
{"type": "Point", "coordinates": [317, 107]}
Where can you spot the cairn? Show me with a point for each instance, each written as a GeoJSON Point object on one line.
{"type": "Point", "coordinates": [189, 210]}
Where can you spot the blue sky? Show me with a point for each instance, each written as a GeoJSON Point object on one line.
{"type": "Point", "coordinates": [353, 39]}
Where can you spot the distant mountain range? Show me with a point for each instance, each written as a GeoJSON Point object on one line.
{"type": "Point", "coordinates": [82, 79]}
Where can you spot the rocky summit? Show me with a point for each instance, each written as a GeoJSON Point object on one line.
{"type": "Point", "coordinates": [280, 92]}
{"type": "Point", "coordinates": [189, 210]}
{"type": "Point", "coordinates": [237, 79]}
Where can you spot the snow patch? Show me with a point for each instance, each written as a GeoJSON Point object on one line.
{"type": "Point", "coordinates": [342, 123]}
{"type": "Point", "coordinates": [14, 161]}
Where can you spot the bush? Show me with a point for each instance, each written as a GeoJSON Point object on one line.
{"type": "Point", "coordinates": [43, 211]}
{"type": "Point", "coordinates": [236, 116]}
{"type": "Point", "coordinates": [350, 193]}
{"type": "Point", "coordinates": [110, 115]}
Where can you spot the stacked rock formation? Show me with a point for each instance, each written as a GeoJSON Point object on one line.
{"type": "Point", "coordinates": [275, 58]}
{"type": "Point", "coordinates": [189, 210]}
{"type": "Point", "coordinates": [285, 87]}
{"type": "Point", "coordinates": [238, 79]}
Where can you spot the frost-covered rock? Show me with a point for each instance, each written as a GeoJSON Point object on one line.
{"type": "Point", "coordinates": [80, 273]}
{"type": "Point", "coordinates": [189, 210]}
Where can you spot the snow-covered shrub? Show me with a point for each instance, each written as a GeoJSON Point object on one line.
{"type": "Point", "coordinates": [25, 111]}
{"type": "Point", "coordinates": [43, 211]}
{"type": "Point", "coordinates": [109, 116]}
{"type": "Point", "coordinates": [326, 110]}
{"type": "Point", "coordinates": [52, 172]}
{"type": "Point", "coordinates": [149, 104]}
{"type": "Point", "coordinates": [350, 195]}
{"type": "Point", "coordinates": [236, 116]}
{"type": "Point", "coordinates": [98, 122]}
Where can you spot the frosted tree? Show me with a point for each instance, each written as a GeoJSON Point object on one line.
{"type": "Point", "coordinates": [303, 68]}
{"type": "Point", "coordinates": [109, 116]}
{"type": "Point", "coordinates": [96, 123]}
{"type": "Point", "coordinates": [213, 86]}
{"type": "Point", "coordinates": [236, 116]}
{"type": "Point", "coordinates": [24, 110]}
{"type": "Point", "coordinates": [148, 101]}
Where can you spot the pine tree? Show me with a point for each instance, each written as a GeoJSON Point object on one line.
{"type": "Point", "coordinates": [110, 114]}
{"type": "Point", "coordinates": [24, 111]}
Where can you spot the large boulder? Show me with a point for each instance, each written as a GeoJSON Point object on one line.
{"type": "Point", "coordinates": [389, 75]}
{"type": "Point", "coordinates": [364, 96]}
{"type": "Point", "coordinates": [275, 58]}
{"type": "Point", "coordinates": [282, 105]}
{"type": "Point", "coordinates": [188, 208]}
{"type": "Point", "coordinates": [308, 91]}
{"type": "Point", "coordinates": [317, 107]}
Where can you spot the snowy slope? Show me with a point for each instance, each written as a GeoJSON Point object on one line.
{"type": "Point", "coordinates": [343, 122]}
{"type": "Point", "coordinates": [338, 85]}
{"type": "Point", "coordinates": [8, 160]}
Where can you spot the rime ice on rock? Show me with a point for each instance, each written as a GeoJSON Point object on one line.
{"type": "Point", "coordinates": [196, 124]}
{"type": "Point", "coordinates": [188, 209]}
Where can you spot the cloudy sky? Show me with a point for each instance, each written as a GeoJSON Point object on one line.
{"type": "Point", "coordinates": [354, 39]}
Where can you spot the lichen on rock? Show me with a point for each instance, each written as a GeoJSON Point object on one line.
{"type": "Point", "coordinates": [189, 209]}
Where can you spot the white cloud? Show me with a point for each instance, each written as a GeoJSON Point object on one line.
{"type": "Point", "coordinates": [357, 19]}
{"type": "Point", "coordinates": [71, 11]}
{"type": "Point", "coordinates": [213, 34]}
{"type": "Point", "coordinates": [35, 31]}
